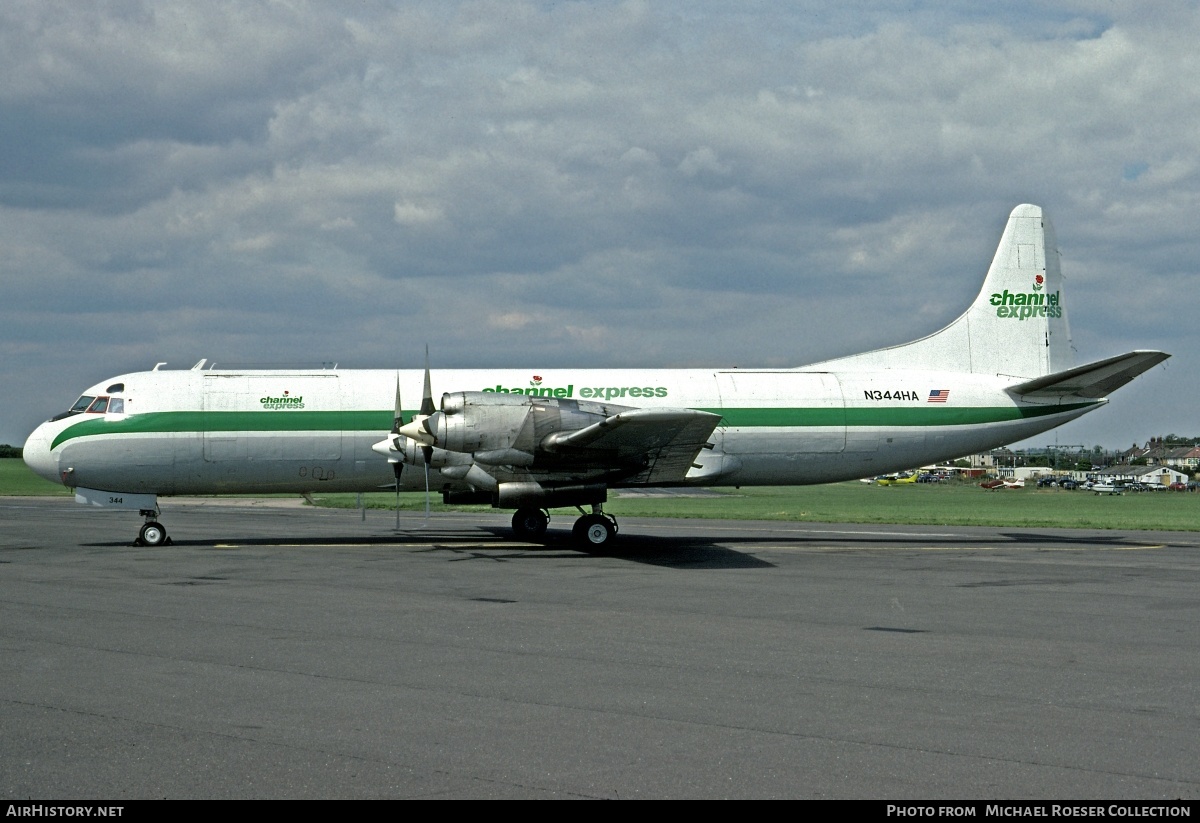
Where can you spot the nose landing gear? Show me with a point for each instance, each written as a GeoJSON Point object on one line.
{"type": "Point", "coordinates": [152, 533]}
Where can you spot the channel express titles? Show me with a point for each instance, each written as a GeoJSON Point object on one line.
{"type": "Point", "coordinates": [1024, 305]}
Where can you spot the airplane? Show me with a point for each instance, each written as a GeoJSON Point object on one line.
{"type": "Point", "coordinates": [1007, 483]}
{"type": "Point", "coordinates": [896, 479]}
{"type": "Point", "coordinates": [531, 440]}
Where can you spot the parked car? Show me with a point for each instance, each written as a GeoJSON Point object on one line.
{"type": "Point", "coordinates": [1178, 487]}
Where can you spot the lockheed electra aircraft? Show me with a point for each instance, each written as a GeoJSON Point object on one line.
{"type": "Point", "coordinates": [536, 439]}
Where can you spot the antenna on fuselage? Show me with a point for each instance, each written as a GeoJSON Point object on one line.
{"type": "Point", "coordinates": [200, 365]}
{"type": "Point", "coordinates": [158, 366]}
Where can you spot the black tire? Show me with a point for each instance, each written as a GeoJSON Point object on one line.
{"type": "Point", "coordinates": [529, 524]}
{"type": "Point", "coordinates": [152, 534]}
{"type": "Point", "coordinates": [596, 531]}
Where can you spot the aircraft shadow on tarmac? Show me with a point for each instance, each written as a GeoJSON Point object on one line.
{"type": "Point", "coordinates": [1088, 539]}
{"type": "Point", "coordinates": [495, 544]}
{"type": "Point", "coordinates": [678, 552]}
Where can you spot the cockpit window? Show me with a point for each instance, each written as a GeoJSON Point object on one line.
{"type": "Point", "coordinates": [81, 405]}
{"type": "Point", "coordinates": [116, 388]}
{"type": "Point", "coordinates": [99, 406]}
{"type": "Point", "coordinates": [116, 406]}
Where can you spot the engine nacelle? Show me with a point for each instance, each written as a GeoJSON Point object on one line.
{"type": "Point", "coordinates": [507, 428]}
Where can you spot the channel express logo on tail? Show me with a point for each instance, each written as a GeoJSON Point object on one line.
{"type": "Point", "coordinates": [1024, 305]}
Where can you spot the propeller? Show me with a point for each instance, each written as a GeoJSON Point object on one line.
{"type": "Point", "coordinates": [426, 411]}
{"type": "Point", "coordinates": [419, 429]}
{"type": "Point", "coordinates": [418, 434]}
{"type": "Point", "coordinates": [397, 466]}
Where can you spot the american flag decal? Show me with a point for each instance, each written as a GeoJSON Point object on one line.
{"type": "Point", "coordinates": [939, 395]}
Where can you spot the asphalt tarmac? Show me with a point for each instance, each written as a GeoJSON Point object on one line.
{"type": "Point", "coordinates": [307, 653]}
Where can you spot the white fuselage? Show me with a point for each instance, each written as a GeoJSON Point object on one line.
{"type": "Point", "coordinates": [202, 432]}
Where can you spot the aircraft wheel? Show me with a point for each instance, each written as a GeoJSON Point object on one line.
{"type": "Point", "coordinates": [529, 523]}
{"type": "Point", "coordinates": [152, 534]}
{"type": "Point", "coordinates": [595, 530]}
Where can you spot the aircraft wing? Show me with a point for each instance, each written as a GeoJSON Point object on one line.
{"type": "Point", "coordinates": [664, 442]}
{"type": "Point", "coordinates": [1094, 380]}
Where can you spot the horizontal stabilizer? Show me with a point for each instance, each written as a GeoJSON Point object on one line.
{"type": "Point", "coordinates": [1094, 380]}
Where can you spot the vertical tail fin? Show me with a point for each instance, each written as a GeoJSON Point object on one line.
{"type": "Point", "coordinates": [1016, 327]}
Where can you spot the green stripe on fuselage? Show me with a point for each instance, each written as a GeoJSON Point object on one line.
{"type": "Point", "coordinates": [215, 421]}
{"type": "Point", "coordinates": [933, 415]}
{"type": "Point", "coordinates": [381, 421]}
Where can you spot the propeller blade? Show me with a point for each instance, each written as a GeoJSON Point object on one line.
{"type": "Point", "coordinates": [427, 407]}
{"type": "Point", "coordinates": [427, 491]}
{"type": "Point", "coordinates": [398, 418]}
{"type": "Point", "coordinates": [397, 467]}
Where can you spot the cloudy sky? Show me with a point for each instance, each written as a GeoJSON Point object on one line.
{"type": "Point", "coordinates": [548, 184]}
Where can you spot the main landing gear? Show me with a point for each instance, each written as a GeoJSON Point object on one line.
{"type": "Point", "coordinates": [152, 533]}
{"type": "Point", "coordinates": [593, 530]}
{"type": "Point", "coordinates": [530, 524]}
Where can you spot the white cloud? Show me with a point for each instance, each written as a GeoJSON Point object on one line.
{"type": "Point", "coordinates": [587, 183]}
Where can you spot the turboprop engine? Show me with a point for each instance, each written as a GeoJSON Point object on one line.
{"type": "Point", "coordinates": [531, 453]}
{"type": "Point", "coordinates": [503, 429]}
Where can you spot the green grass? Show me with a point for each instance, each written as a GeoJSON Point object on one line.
{"type": "Point", "coordinates": [951, 504]}
{"type": "Point", "coordinates": [17, 479]}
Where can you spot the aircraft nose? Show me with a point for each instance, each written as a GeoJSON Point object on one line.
{"type": "Point", "coordinates": [38, 457]}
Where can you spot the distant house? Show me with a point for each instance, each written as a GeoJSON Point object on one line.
{"type": "Point", "coordinates": [1160, 475]}
{"type": "Point", "coordinates": [1157, 452]}
{"type": "Point", "coordinates": [1184, 458]}
{"type": "Point", "coordinates": [991, 460]}
{"type": "Point", "coordinates": [1134, 452]}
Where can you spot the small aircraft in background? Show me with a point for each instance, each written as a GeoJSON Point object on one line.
{"type": "Point", "coordinates": [1005, 483]}
{"type": "Point", "coordinates": [897, 479]}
